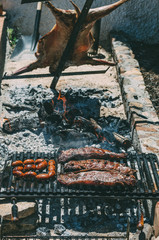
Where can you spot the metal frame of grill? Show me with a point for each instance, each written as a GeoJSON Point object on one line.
{"type": "Point", "coordinates": [147, 187]}
{"type": "Point", "coordinates": [63, 237]}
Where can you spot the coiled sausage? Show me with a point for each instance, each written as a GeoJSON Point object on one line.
{"type": "Point", "coordinates": [29, 161]}
{"type": "Point", "coordinates": [17, 163]}
{"type": "Point", "coordinates": [18, 173]}
{"type": "Point", "coordinates": [39, 160]}
{"type": "Point", "coordinates": [29, 167]}
{"type": "Point", "coordinates": [42, 176]}
{"type": "Point", "coordinates": [51, 162]}
{"type": "Point", "coordinates": [30, 174]}
{"type": "Point", "coordinates": [51, 174]}
{"type": "Point", "coordinates": [41, 166]}
{"type": "Point", "coordinates": [18, 168]}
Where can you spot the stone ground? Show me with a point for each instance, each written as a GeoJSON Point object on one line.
{"type": "Point", "coordinates": [147, 56]}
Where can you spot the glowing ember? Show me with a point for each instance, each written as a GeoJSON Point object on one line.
{"type": "Point", "coordinates": [7, 120]}
{"type": "Point", "coordinates": [63, 100]}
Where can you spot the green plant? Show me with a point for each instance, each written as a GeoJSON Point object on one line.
{"type": "Point", "coordinates": [13, 36]}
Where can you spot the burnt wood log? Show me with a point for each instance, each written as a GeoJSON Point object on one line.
{"type": "Point", "coordinates": [89, 125]}
{"type": "Point", "coordinates": [27, 120]}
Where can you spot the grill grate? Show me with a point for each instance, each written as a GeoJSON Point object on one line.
{"type": "Point", "coordinates": [147, 187]}
{"type": "Point", "coordinates": [65, 238]}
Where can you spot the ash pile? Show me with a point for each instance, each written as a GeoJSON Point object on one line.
{"type": "Point", "coordinates": [39, 119]}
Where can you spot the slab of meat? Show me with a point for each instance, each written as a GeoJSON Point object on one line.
{"type": "Point", "coordinates": [98, 164]}
{"type": "Point", "coordinates": [51, 46]}
{"type": "Point", "coordinates": [88, 153]}
{"type": "Point", "coordinates": [97, 178]}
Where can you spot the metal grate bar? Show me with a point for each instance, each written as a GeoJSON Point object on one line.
{"type": "Point", "coordinates": [132, 160]}
{"type": "Point", "coordinates": [147, 185]}
{"type": "Point", "coordinates": [148, 174]}
{"type": "Point", "coordinates": [64, 237]}
{"type": "Point", "coordinates": [143, 187]}
{"type": "Point", "coordinates": [156, 176]}
{"type": "Point", "coordinates": [11, 177]}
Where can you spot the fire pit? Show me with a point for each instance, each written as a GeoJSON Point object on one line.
{"type": "Point", "coordinates": [37, 123]}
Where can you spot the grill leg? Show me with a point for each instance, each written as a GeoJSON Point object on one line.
{"type": "Point", "coordinates": [128, 229]}
{"type": "Point", "coordinates": [14, 214]}
{"type": "Point", "coordinates": [1, 227]}
{"type": "Point", "coordinates": [140, 211]}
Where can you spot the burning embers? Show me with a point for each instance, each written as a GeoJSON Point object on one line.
{"type": "Point", "coordinates": [68, 119]}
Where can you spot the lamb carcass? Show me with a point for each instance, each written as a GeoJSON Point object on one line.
{"type": "Point", "coordinates": [51, 46]}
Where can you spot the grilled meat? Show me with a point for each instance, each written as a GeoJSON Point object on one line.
{"type": "Point", "coordinates": [98, 164]}
{"type": "Point", "coordinates": [97, 178]}
{"type": "Point", "coordinates": [51, 46]}
{"type": "Point", "coordinates": [88, 153]}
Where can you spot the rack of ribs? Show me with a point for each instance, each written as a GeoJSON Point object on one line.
{"type": "Point", "coordinates": [88, 153]}
{"type": "Point", "coordinates": [97, 178]}
{"type": "Point", "coordinates": [98, 164]}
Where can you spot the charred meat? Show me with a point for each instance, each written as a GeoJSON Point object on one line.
{"type": "Point", "coordinates": [52, 45]}
{"type": "Point", "coordinates": [98, 164]}
{"type": "Point", "coordinates": [97, 178]}
{"type": "Point", "coordinates": [88, 153]}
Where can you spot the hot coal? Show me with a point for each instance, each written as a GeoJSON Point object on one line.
{"type": "Point", "coordinates": [52, 125]}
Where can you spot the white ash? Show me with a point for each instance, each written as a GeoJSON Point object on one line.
{"type": "Point", "coordinates": [59, 229]}
{"type": "Point", "coordinates": [3, 152]}
{"type": "Point", "coordinates": [40, 138]}
{"type": "Point", "coordinates": [29, 95]}
{"type": "Point", "coordinates": [43, 232]}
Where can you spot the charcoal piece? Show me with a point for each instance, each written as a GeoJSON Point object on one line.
{"type": "Point", "coordinates": [88, 106]}
{"type": "Point", "coordinates": [72, 113]}
{"type": "Point", "coordinates": [59, 229]}
{"type": "Point", "coordinates": [90, 125]}
{"type": "Point", "coordinates": [28, 120]}
{"type": "Point", "coordinates": [70, 138]}
{"type": "Point", "coordinates": [43, 232]}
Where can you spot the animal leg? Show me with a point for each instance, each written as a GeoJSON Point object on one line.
{"type": "Point", "coordinates": [28, 68]}
{"type": "Point", "coordinates": [97, 13]}
{"type": "Point", "coordinates": [94, 61]}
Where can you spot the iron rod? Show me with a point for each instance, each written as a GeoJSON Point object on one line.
{"type": "Point", "coordinates": [71, 42]}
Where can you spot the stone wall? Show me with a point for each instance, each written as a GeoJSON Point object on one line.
{"type": "Point", "coordinates": [138, 18]}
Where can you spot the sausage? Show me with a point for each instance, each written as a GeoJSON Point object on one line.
{"type": "Point", "coordinates": [30, 174]}
{"type": "Point", "coordinates": [51, 162]}
{"type": "Point", "coordinates": [18, 168]}
{"type": "Point", "coordinates": [29, 161]}
{"type": "Point", "coordinates": [51, 174]}
{"type": "Point", "coordinates": [29, 167]}
{"type": "Point", "coordinates": [18, 173]}
{"type": "Point", "coordinates": [39, 160]}
{"type": "Point", "coordinates": [42, 176]}
{"type": "Point", "coordinates": [42, 165]}
{"type": "Point", "coordinates": [51, 168]}
{"type": "Point", "coordinates": [17, 163]}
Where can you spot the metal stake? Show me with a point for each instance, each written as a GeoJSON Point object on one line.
{"type": "Point", "coordinates": [71, 42]}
